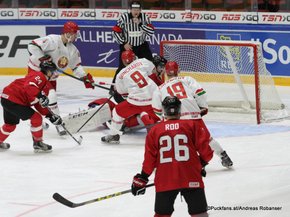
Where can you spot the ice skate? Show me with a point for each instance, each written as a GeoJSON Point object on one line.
{"type": "Point", "coordinates": [226, 160]}
{"type": "Point", "coordinates": [4, 146]}
{"type": "Point", "coordinates": [60, 130]}
{"type": "Point", "coordinates": [112, 139]}
{"type": "Point", "coordinates": [41, 147]}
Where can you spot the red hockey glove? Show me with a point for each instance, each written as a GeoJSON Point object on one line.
{"type": "Point", "coordinates": [139, 184]}
{"type": "Point", "coordinates": [88, 81]}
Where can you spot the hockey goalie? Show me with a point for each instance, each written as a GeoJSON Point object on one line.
{"type": "Point", "coordinates": [98, 114]}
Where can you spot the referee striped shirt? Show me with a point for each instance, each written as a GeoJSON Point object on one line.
{"type": "Point", "coordinates": [126, 31]}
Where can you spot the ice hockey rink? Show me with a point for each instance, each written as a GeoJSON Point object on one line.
{"type": "Point", "coordinates": [258, 185]}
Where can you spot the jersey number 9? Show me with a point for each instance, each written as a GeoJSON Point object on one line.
{"type": "Point", "coordinates": [139, 79]}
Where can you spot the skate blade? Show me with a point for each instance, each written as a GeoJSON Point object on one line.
{"type": "Point", "coordinates": [111, 142]}
{"type": "Point", "coordinates": [42, 151]}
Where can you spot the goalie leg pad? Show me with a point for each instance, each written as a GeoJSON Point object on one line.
{"type": "Point", "coordinates": [74, 121]}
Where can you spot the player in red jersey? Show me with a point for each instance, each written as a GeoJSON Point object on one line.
{"type": "Point", "coordinates": [17, 100]}
{"type": "Point", "coordinates": [179, 150]}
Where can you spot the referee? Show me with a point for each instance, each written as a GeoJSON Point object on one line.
{"type": "Point", "coordinates": [130, 32]}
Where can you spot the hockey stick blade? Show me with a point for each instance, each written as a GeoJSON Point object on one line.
{"type": "Point", "coordinates": [70, 204]}
{"type": "Point", "coordinates": [63, 200]}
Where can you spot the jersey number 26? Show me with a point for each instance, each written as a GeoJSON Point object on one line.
{"type": "Point", "coordinates": [181, 152]}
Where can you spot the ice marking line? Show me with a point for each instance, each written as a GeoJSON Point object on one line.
{"type": "Point", "coordinates": [55, 202]}
{"type": "Point", "coordinates": [24, 204]}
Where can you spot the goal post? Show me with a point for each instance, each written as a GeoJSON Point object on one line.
{"type": "Point", "coordinates": [233, 73]}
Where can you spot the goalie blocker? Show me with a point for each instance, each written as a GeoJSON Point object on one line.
{"type": "Point", "coordinates": [74, 121]}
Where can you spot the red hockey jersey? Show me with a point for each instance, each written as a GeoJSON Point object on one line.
{"type": "Point", "coordinates": [24, 91]}
{"type": "Point", "coordinates": [173, 147]}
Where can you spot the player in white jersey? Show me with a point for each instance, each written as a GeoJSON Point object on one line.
{"type": "Point", "coordinates": [60, 50]}
{"type": "Point", "coordinates": [193, 102]}
{"type": "Point", "coordinates": [133, 82]}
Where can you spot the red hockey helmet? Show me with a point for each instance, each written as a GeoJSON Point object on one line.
{"type": "Point", "coordinates": [171, 68]}
{"type": "Point", "coordinates": [70, 27]}
{"type": "Point", "coordinates": [128, 56]}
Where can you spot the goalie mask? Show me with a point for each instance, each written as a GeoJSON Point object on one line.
{"type": "Point", "coordinates": [159, 63]}
{"type": "Point", "coordinates": [128, 57]}
{"type": "Point", "coordinates": [171, 106]}
{"type": "Point", "coordinates": [172, 68]}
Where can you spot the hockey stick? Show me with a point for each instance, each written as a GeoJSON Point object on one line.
{"type": "Point", "coordinates": [71, 204]}
{"type": "Point", "coordinates": [105, 83]}
{"type": "Point", "coordinates": [72, 76]}
{"type": "Point", "coordinates": [95, 113]}
{"type": "Point", "coordinates": [79, 141]}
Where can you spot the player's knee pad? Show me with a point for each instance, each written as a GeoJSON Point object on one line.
{"type": "Point", "coordinates": [53, 101]}
{"type": "Point", "coordinates": [36, 120]}
{"type": "Point", "coordinates": [8, 128]}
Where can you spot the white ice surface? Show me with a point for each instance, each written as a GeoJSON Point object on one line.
{"type": "Point", "coordinates": [261, 174]}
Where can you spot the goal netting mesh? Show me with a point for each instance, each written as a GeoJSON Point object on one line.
{"type": "Point", "coordinates": [232, 72]}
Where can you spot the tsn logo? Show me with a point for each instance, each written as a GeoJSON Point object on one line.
{"type": "Point", "coordinates": [37, 13]}
{"type": "Point", "coordinates": [111, 14]}
{"type": "Point", "coordinates": [275, 18]}
{"type": "Point", "coordinates": [198, 16]}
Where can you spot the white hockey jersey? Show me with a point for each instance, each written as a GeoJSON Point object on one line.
{"type": "Point", "coordinates": [188, 90]}
{"type": "Point", "coordinates": [133, 81]}
{"type": "Point", "coordinates": [63, 56]}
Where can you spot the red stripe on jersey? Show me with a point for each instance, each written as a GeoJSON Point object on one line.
{"type": "Point", "coordinates": [199, 90]}
{"type": "Point", "coordinates": [150, 25]}
{"type": "Point", "coordinates": [117, 29]}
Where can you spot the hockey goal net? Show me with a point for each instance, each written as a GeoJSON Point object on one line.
{"type": "Point", "coordinates": [232, 72]}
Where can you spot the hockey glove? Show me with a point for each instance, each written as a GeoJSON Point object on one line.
{"type": "Point", "coordinates": [88, 81]}
{"type": "Point", "coordinates": [43, 100]}
{"type": "Point", "coordinates": [54, 119]}
{"type": "Point", "coordinates": [203, 111]}
{"type": "Point", "coordinates": [203, 164]}
{"type": "Point", "coordinates": [45, 58]}
{"type": "Point", "coordinates": [139, 184]}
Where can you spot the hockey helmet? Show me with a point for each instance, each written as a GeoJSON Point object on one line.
{"type": "Point", "coordinates": [70, 27]}
{"type": "Point", "coordinates": [135, 4]}
{"type": "Point", "coordinates": [47, 66]}
{"type": "Point", "coordinates": [128, 56]}
{"type": "Point", "coordinates": [159, 61]}
{"type": "Point", "coordinates": [172, 68]}
{"type": "Point", "coordinates": [171, 106]}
